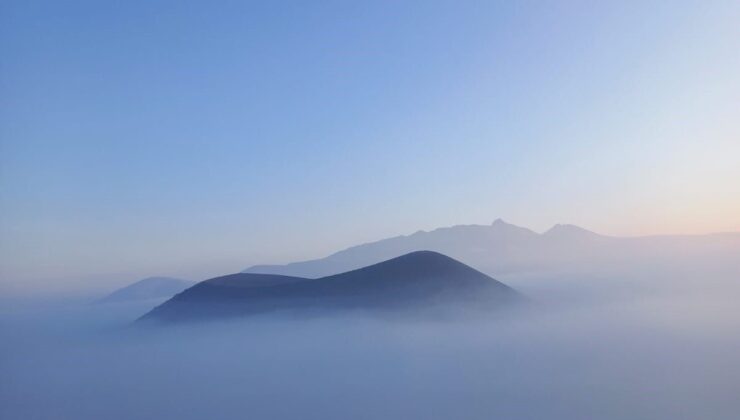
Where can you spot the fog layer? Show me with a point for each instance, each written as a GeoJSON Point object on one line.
{"type": "Point", "coordinates": [663, 350]}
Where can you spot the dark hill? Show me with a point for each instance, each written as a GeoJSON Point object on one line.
{"type": "Point", "coordinates": [418, 281]}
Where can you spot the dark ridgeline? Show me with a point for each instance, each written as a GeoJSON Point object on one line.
{"type": "Point", "coordinates": [422, 281]}
{"type": "Point", "coordinates": [149, 288]}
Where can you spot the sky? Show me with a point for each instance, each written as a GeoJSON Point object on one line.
{"type": "Point", "coordinates": [188, 138]}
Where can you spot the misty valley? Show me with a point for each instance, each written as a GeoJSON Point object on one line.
{"type": "Point", "coordinates": [469, 322]}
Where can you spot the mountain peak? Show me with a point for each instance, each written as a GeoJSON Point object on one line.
{"type": "Point", "coordinates": [501, 226]}
{"type": "Point", "coordinates": [421, 256]}
{"type": "Point", "coordinates": [416, 263]}
{"type": "Point", "coordinates": [570, 230]}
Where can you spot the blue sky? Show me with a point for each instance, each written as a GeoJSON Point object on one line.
{"type": "Point", "coordinates": [195, 138]}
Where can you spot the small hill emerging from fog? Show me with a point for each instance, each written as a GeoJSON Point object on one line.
{"type": "Point", "coordinates": [149, 288]}
{"type": "Point", "coordinates": [419, 282]}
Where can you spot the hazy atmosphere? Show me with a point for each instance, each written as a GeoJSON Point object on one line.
{"type": "Point", "coordinates": [369, 210]}
{"type": "Point", "coordinates": [188, 139]}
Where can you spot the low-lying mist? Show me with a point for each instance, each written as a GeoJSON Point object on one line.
{"type": "Point", "coordinates": [664, 350]}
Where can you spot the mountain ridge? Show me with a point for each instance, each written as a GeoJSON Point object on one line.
{"type": "Point", "coordinates": [501, 248]}
{"type": "Point", "coordinates": [442, 240]}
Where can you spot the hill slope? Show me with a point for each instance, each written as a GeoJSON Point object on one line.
{"type": "Point", "coordinates": [149, 288]}
{"type": "Point", "coordinates": [418, 281]}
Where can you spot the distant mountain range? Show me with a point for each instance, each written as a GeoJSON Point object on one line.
{"type": "Point", "coordinates": [421, 282]}
{"type": "Point", "coordinates": [149, 288]}
{"type": "Point", "coordinates": [372, 276]}
{"type": "Point", "coordinates": [502, 248]}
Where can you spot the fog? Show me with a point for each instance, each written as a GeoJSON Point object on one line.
{"type": "Point", "coordinates": [607, 348]}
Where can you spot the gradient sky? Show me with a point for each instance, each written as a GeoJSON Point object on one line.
{"type": "Point", "coordinates": [186, 138]}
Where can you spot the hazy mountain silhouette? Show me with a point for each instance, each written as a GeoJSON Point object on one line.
{"type": "Point", "coordinates": [420, 281]}
{"type": "Point", "coordinates": [502, 248]}
{"type": "Point", "coordinates": [149, 288]}
{"type": "Point", "coordinates": [567, 231]}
